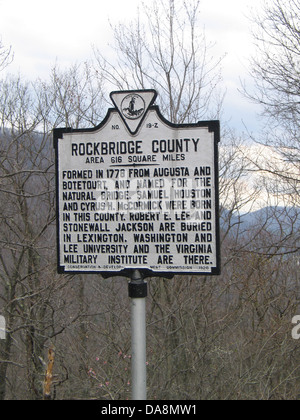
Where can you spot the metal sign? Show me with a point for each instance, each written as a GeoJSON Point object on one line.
{"type": "Point", "coordinates": [138, 192]}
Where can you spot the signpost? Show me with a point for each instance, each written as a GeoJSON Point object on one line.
{"type": "Point", "coordinates": [137, 196]}
{"type": "Point", "coordinates": [138, 293]}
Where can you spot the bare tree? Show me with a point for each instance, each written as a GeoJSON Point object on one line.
{"type": "Point", "coordinates": [74, 96]}
{"type": "Point", "coordinates": [6, 56]}
{"type": "Point", "coordinates": [165, 48]}
{"type": "Point", "coordinates": [28, 283]}
{"type": "Point", "coordinates": [275, 71]}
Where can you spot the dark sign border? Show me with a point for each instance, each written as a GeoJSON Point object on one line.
{"type": "Point", "coordinates": [213, 127]}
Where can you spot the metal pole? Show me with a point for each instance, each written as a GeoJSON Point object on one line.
{"type": "Point", "coordinates": [138, 294]}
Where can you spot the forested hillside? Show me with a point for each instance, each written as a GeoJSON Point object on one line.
{"type": "Point", "coordinates": [223, 337]}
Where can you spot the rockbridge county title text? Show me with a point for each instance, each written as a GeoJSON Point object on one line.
{"type": "Point", "coordinates": [134, 147]}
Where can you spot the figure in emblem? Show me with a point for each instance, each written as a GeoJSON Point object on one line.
{"type": "Point", "coordinates": [130, 111]}
{"type": "Point", "coordinates": [131, 105]}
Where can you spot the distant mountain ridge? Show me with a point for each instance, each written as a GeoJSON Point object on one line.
{"type": "Point", "coordinates": [274, 218]}
{"type": "Point", "coordinates": [271, 219]}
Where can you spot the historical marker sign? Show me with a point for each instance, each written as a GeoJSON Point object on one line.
{"type": "Point", "coordinates": [138, 192]}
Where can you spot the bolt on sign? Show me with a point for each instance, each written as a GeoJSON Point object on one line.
{"type": "Point", "coordinates": [138, 192]}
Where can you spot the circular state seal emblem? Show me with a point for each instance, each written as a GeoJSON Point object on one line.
{"type": "Point", "coordinates": [133, 106]}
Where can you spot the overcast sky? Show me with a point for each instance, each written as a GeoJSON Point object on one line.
{"type": "Point", "coordinates": [42, 33]}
